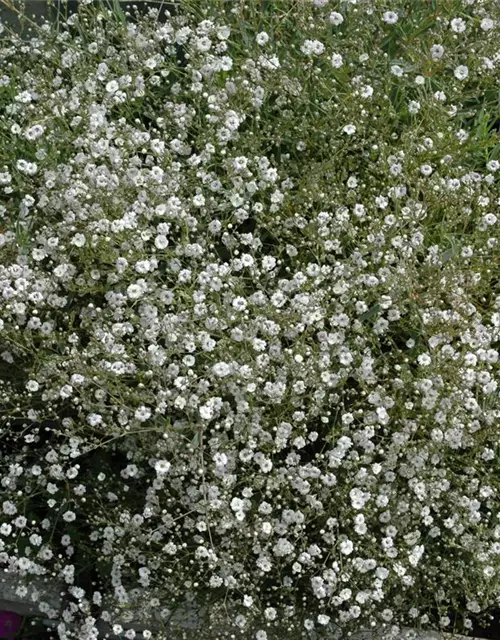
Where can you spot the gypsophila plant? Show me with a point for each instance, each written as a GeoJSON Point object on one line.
{"type": "Point", "coordinates": [250, 318]}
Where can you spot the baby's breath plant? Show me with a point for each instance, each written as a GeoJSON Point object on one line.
{"type": "Point", "coordinates": [250, 315]}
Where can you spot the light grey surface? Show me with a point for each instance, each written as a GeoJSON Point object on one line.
{"type": "Point", "coordinates": [39, 590]}
{"type": "Point", "coordinates": [186, 617]}
{"type": "Point", "coordinates": [408, 634]}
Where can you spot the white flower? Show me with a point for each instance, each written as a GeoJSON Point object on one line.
{"type": "Point", "coordinates": [262, 38]}
{"type": "Point", "coordinates": [323, 619]}
{"type": "Point", "coordinates": [437, 51]}
{"type": "Point", "coordinates": [9, 508]}
{"type": "Point", "coordinates": [414, 106]}
{"type": "Point", "coordinates": [424, 359]}
{"type": "Point", "coordinates": [283, 547]}
{"type": "Point", "coordinates": [21, 522]}
{"type": "Point", "coordinates": [240, 163]}
{"type": "Point", "coordinates": [142, 414]}
{"type": "Point", "coordinates": [458, 25]}
{"type": "Point", "coordinates": [415, 555]}
{"type": "Point", "coordinates": [34, 132]}
{"type": "Point", "coordinates": [390, 17]}
{"type": "Point", "coordinates": [247, 601]}
{"type": "Point", "coordinates": [221, 369]}
{"type": "Point", "coordinates": [350, 129]}
{"type": "Point", "coordinates": [69, 516]}
{"type": "Point", "coordinates": [112, 86]}
{"type": "Point", "coordinates": [346, 547]}
{"type": "Point", "coordinates": [336, 18]}
{"type": "Point", "coordinates": [425, 169]}
{"type": "Point", "coordinates": [239, 303]}
{"type": "Point", "coordinates": [134, 291]}
{"type": "Point", "coordinates": [336, 60]}
{"type": "Point", "coordinates": [359, 211]}
{"type": "Point", "coordinates": [203, 44]}
{"type": "Point", "coordinates": [396, 70]}
{"type": "Point", "coordinates": [94, 419]}
{"type": "Point", "coordinates": [220, 459]}
{"type": "Point", "coordinates": [206, 411]}
{"type": "Point", "coordinates": [65, 391]}
{"type": "Point", "coordinates": [27, 167]}
{"type": "Point", "coordinates": [493, 165]}
{"type": "Point", "coordinates": [237, 504]}
{"type": "Point", "coordinates": [312, 47]}
{"type": "Point", "coordinates": [142, 266]}
{"type": "Point", "coordinates": [161, 242]}
{"type": "Point", "coordinates": [32, 385]}
{"type": "Point", "coordinates": [78, 240]}
{"type": "Point", "coordinates": [358, 497]}
{"type": "Point", "coordinates": [461, 72]}
{"type": "Point", "coordinates": [270, 613]}
{"type": "Point", "coordinates": [366, 91]}
{"type": "Point", "coordinates": [268, 263]}
{"type": "Point", "coordinates": [162, 467]}
{"type": "Point", "coordinates": [487, 24]}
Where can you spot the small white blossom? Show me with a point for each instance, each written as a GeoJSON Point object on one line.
{"type": "Point", "coordinates": [414, 106]}
{"type": "Point", "coordinates": [162, 467]}
{"type": "Point", "coordinates": [458, 25]}
{"type": "Point", "coordinates": [336, 18]}
{"type": "Point", "coordinates": [346, 547]}
{"type": "Point", "coordinates": [350, 129]}
{"type": "Point", "coordinates": [142, 414]}
{"type": "Point", "coordinates": [390, 17]}
{"type": "Point", "coordinates": [239, 303]}
{"type": "Point", "coordinates": [312, 47]}
{"type": "Point", "coordinates": [262, 38]}
{"type": "Point", "coordinates": [161, 242]}
{"type": "Point", "coordinates": [283, 547]}
{"type": "Point", "coordinates": [336, 60]}
{"type": "Point", "coordinates": [112, 86]}
{"type": "Point", "coordinates": [69, 516]}
{"type": "Point", "coordinates": [437, 51]}
{"type": "Point", "coordinates": [461, 72]}
{"type": "Point", "coordinates": [424, 359]}
{"type": "Point", "coordinates": [487, 24]}
{"type": "Point", "coordinates": [78, 240]}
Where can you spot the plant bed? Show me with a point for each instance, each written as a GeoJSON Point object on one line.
{"type": "Point", "coordinates": [250, 320]}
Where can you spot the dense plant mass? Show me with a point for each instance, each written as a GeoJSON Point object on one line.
{"type": "Point", "coordinates": [250, 318]}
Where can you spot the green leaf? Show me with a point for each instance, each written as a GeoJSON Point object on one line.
{"type": "Point", "coordinates": [372, 311]}
{"type": "Point", "coordinates": [448, 255]}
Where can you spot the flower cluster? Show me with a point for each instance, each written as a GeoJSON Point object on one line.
{"type": "Point", "coordinates": [250, 319]}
